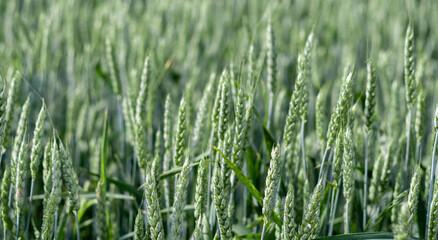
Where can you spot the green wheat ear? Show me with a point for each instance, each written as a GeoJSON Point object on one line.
{"type": "Point", "coordinates": [179, 202]}
{"type": "Point", "coordinates": [409, 66]}
{"type": "Point", "coordinates": [413, 197]}
{"type": "Point", "coordinates": [37, 145]}
{"type": "Point", "coordinates": [272, 181]}
{"type": "Point", "coordinates": [139, 232]}
{"type": "Point", "coordinates": [180, 134]}
{"type": "Point", "coordinates": [288, 231]}
{"type": "Point", "coordinates": [370, 100]}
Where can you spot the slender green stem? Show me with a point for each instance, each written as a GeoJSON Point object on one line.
{"type": "Point", "coordinates": [56, 225]}
{"type": "Point", "coordinates": [18, 226]}
{"type": "Point", "coordinates": [271, 102]}
{"type": "Point", "coordinates": [333, 205]}
{"type": "Point", "coordinates": [77, 227]}
{"type": "Point", "coordinates": [324, 157]}
{"type": "Point", "coordinates": [30, 209]}
{"type": "Point", "coordinates": [432, 181]}
{"type": "Point", "coordinates": [405, 180]}
{"type": "Point", "coordinates": [4, 232]}
{"type": "Point", "coordinates": [365, 188]}
{"type": "Point", "coordinates": [263, 230]}
{"type": "Point", "coordinates": [347, 218]}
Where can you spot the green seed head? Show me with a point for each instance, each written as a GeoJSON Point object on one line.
{"type": "Point", "coordinates": [409, 67]}
{"type": "Point", "coordinates": [370, 100]}
{"type": "Point", "coordinates": [37, 145]}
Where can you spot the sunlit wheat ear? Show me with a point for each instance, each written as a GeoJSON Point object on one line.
{"type": "Point", "coordinates": [140, 118]}
{"type": "Point", "coordinates": [290, 127]}
{"type": "Point", "coordinates": [180, 134]}
{"type": "Point", "coordinates": [288, 231]}
{"type": "Point", "coordinates": [271, 186]}
{"type": "Point", "coordinates": [37, 145]}
{"type": "Point", "coordinates": [224, 105]}
{"type": "Point", "coordinates": [347, 172]}
{"type": "Point", "coordinates": [339, 115]}
{"type": "Point", "coordinates": [271, 57]}
{"type": "Point", "coordinates": [3, 103]}
{"type": "Point", "coordinates": [409, 66]}
{"type": "Point", "coordinates": [153, 209]}
{"type": "Point", "coordinates": [10, 103]}
{"type": "Point", "coordinates": [419, 116]}
{"type": "Point", "coordinates": [179, 202]}
{"type": "Point", "coordinates": [304, 71]}
{"type": "Point", "coordinates": [19, 136]}
{"type": "Point", "coordinates": [310, 225]}
{"type": "Point", "coordinates": [240, 130]}
{"type": "Point", "coordinates": [47, 229]}
{"type": "Point", "coordinates": [338, 158]}
{"type": "Point", "coordinates": [69, 178]}
{"type": "Point", "coordinates": [47, 171]}
{"type": "Point", "coordinates": [56, 174]}
{"type": "Point", "coordinates": [370, 99]}
{"type": "Point", "coordinates": [221, 203]}
{"type": "Point", "coordinates": [139, 233]}
{"type": "Point", "coordinates": [413, 198]}
{"type": "Point", "coordinates": [4, 197]}
{"type": "Point", "coordinates": [433, 217]}
{"type": "Point", "coordinates": [21, 175]}
{"type": "Point", "coordinates": [201, 189]}
{"type": "Point", "coordinates": [167, 139]}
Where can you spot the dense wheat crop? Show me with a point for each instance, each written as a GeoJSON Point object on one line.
{"type": "Point", "coordinates": [201, 119]}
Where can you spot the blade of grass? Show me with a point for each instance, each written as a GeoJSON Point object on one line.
{"type": "Point", "coordinates": [248, 184]}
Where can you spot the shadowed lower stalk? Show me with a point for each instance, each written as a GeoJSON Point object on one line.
{"type": "Point", "coordinates": [324, 158]}
{"type": "Point", "coordinates": [333, 205]}
{"type": "Point", "coordinates": [77, 227]}
{"type": "Point", "coordinates": [347, 220]}
{"type": "Point", "coordinates": [30, 208]}
{"type": "Point", "coordinates": [432, 181]}
{"type": "Point", "coordinates": [18, 225]}
{"type": "Point", "coordinates": [365, 189]}
{"type": "Point", "coordinates": [56, 225]}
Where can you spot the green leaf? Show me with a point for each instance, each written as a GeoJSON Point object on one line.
{"type": "Point", "coordinates": [85, 207]}
{"type": "Point", "coordinates": [103, 75]}
{"type": "Point", "coordinates": [269, 139]}
{"type": "Point", "coordinates": [250, 236]}
{"type": "Point", "coordinates": [175, 170]}
{"type": "Point", "coordinates": [121, 185]}
{"type": "Point", "coordinates": [354, 236]}
{"type": "Point", "coordinates": [248, 184]}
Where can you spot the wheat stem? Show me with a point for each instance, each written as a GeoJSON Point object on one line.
{"type": "Point", "coordinates": [78, 235]}
{"type": "Point", "coordinates": [365, 188]}
{"type": "Point", "coordinates": [30, 208]}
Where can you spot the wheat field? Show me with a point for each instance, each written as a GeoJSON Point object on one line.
{"type": "Point", "coordinates": [201, 119]}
